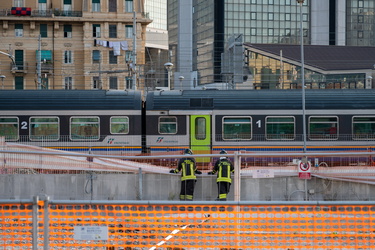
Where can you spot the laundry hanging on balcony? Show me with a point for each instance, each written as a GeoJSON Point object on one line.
{"type": "Point", "coordinates": [21, 11]}
{"type": "Point", "coordinates": [116, 46]}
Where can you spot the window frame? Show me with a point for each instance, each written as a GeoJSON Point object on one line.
{"type": "Point", "coordinates": [284, 122]}
{"type": "Point", "coordinates": [96, 30]}
{"type": "Point", "coordinates": [253, 31]}
{"type": "Point", "coordinates": [112, 81]}
{"type": "Point", "coordinates": [128, 56]}
{"type": "Point", "coordinates": [253, 15]}
{"type": "Point", "coordinates": [44, 137]}
{"type": "Point", "coordinates": [68, 82]}
{"type": "Point", "coordinates": [68, 57]}
{"type": "Point", "coordinates": [96, 82]}
{"type": "Point", "coordinates": [270, 32]}
{"type": "Point", "coordinates": [129, 30]}
{"type": "Point", "coordinates": [356, 136]}
{"type": "Point", "coordinates": [68, 31]}
{"type": "Point", "coordinates": [18, 32]}
{"type": "Point", "coordinates": [128, 6]}
{"type": "Point", "coordinates": [18, 80]}
{"type": "Point", "coordinates": [14, 123]}
{"type": "Point", "coordinates": [95, 4]}
{"type": "Point", "coordinates": [270, 16]}
{"type": "Point", "coordinates": [93, 55]}
{"type": "Point", "coordinates": [128, 82]}
{"type": "Point", "coordinates": [200, 125]}
{"type": "Point", "coordinates": [287, 16]}
{"type": "Point", "coordinates": [112, 30]}
{"type": "Point", "coordinates": [112, 59]}
{"type": "Point", "coordinates": [223, 123]}
{"type": "Point", "coordinates": [67, 6]}
{"type": "Point", "coordinates": [43, 30]}
{"type": "Point", "coordinates": [127, 125]}
{"type": "Point", "coordinates": [80, 137]}
{"type": "Point", "coordinates": [18, 3]}
{"type": "Point", "coordinates": [112, 6]}
{"type": "Point", "coordinates": [160, 123]}
{"type": "Point", "coordinates": [323, 136]}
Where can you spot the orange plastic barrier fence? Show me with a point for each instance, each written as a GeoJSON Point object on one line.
{"type": "Point", "coordinates": [16, 222]}
{"type": "Point", "coordinates": [197, 226]}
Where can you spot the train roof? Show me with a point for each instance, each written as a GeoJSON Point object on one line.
{"type": "Point", "coordinates": [261, 99]}
{"type": "Point", "coordinates": [70, 100]}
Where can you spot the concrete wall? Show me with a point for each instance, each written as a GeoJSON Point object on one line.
{"type": "Point", "coordinates": [167, 187]}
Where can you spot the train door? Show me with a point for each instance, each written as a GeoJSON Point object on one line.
{"type": "Point", "coordinates": [200, 136]}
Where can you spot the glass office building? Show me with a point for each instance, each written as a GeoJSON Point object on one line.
{"type": "Point", "coordinates": [325, 22]}
{"type": "Point", "coordinates": [360, 23]}
{"type": "Point", "coordinates": [259, 21]}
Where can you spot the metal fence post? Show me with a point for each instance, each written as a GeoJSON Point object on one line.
{"type": "Point", "coordinates": [237, 176]}
{"type": "Point", "coordinates": [46, 223]}
{"type": "Point", "coordinates": [140, 184]}
{"type": "Point", "coordinates": [35, 222]}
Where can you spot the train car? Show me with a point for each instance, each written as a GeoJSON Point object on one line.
{"type": "Point", "coordinates": [208, 121]}
{"type": "Point", "coordinates": [97, 121]}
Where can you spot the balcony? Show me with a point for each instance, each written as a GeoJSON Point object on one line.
{"type": "Point", "coordinates": [19, 68]}
{"type": "Point", "coordinates": [46, 13]}
{"type": "Point", "coordinates": [46, 68]}
{"type": "Point", "coordinates": [68, 13]}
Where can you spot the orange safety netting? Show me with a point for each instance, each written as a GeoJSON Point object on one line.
{"type": "Point", "coordinates": [196, 226]}
{"type": "Point", "coordinates": [16, 222]}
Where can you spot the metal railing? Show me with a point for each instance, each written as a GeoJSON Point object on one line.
{"type": "Point", "coordinates": [19, 67]}
{"type": "Point", "coordinates": [46, 13]}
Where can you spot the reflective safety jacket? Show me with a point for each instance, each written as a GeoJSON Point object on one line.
{"type": "Point", "coordinates": [188, 168]}
{"type": "Point", "coordinates": [223, 168]}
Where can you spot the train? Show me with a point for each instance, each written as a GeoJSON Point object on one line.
{"type": "Point", "coordinates": [128, 122]}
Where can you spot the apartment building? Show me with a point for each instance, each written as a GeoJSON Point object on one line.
{"type": "Point", "coordinates": [72, 44]}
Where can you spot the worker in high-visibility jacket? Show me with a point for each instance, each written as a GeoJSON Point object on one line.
{"type": "Point", "coordinates": [188, 168]}
{"type": "Point", "coordinates": [223, 167]}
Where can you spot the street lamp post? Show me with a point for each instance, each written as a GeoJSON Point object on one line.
{"type": "Point", "coordinates": [181, 78]}
{"type": "Point", "coordinates": [11, 58]}
{"type": "Point", "coordinates": [302, 77]}
{"type": "Point", "coordinates": [2, 80]}
{"type": "Point", "coordinates": [304, 160]}
{"type": "Point", "coordinates": [169, 67]}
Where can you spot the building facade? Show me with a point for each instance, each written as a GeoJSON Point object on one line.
{"type": "Point", "coordinates": [156, 52]}
{"type": "Point", "coordinates": [360, 20]}
{"type": "Point", "coordinates": [325, 66]}
{"type": "Point", "coordinates": [324, 22]}
{"type": "Point", "coordinates": [65, 44]}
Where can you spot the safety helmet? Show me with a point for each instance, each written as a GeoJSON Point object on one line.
{"type": "Point", "coordinates": [223, 152]}
{"type": "Point", "coordinates": [188, 151]}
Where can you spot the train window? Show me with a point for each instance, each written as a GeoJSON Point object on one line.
{"type": "Point", "coordinates": [280, 128]}
{"type": "Point", "coordinates": [200, 128]}
{"type": "Point", "coordinates": [9, 128]}
{"type": "Point", "coordinates": [363, 128]}
{"type": "Point", "coordinates": [237, 128]}
{"type": "Point", "coordinates": [44, 128]}
{"type": "Point", "coordinates": [323, 128]}
{"type": "Point", "coordinates": [86, 128]}
{"type": "Point", "coordinates": [119, 125]}
{"type": "Point", "coordinates": [167, 125]}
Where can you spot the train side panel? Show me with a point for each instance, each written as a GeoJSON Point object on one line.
{"type": "Point", "coordinates": [101, 122]}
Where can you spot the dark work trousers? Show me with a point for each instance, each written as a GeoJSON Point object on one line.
{"type": "Point", "coordinates": [187, 190]}
{"type": "Point", "coordinates": [223, 188]}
